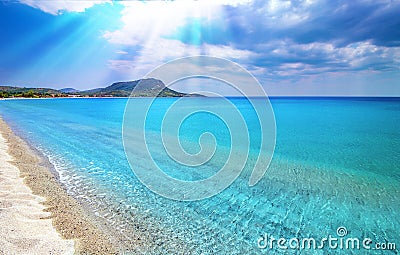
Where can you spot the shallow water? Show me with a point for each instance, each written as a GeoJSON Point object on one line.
{"type": "Point", "coordinates": [336, 163]}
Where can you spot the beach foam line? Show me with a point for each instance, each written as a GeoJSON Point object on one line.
{"type": "Point", "coordinates": [37, 216]}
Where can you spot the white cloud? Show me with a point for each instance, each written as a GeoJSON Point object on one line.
{"type": "Point", "coordinates": [163, 50]}
{"type": "Point", "coordinates": [57, 7]}
{"type": "Point", "coordinates": [286, 59]}
{"type": "Point", "coordinates": [281, 14]}
{"type": "Point", "coordinates": [121, 52]}
{"type": "Point", "coordinates": [365, 55]}
{"type": "Point", "coordinates": [147, 25]}
{"type": "Point", "coordinates": [148, 21]}
{"type": "Point", "coordinates": [224, 51]}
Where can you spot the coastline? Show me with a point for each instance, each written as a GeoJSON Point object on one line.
{"type": "Point", "coordinates": [50, 201]}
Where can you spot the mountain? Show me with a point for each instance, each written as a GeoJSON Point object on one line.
{"type": "Point", "coordinates": [145, 85]}
{"type": "Point", "coordinates": [148, 88]}
{"type": "Point", "coordinates": [69, 90]}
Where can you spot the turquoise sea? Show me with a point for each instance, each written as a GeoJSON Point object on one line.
{"type": "Point", "coordinates": [336, 165]}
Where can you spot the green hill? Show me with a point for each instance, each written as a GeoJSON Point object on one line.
{"type": "Point", "coordinates": [148, 88]}
{"type": "Point", "coordinates": [10, 91]}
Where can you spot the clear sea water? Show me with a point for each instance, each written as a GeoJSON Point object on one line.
{"type": "Point", "coordinates": [336, 163]}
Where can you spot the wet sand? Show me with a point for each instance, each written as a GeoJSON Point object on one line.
{"type": "Point", "coordinates": [37, 216]}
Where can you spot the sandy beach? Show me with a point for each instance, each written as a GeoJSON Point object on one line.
{"type": "Point", "coordinates": [36, 214]}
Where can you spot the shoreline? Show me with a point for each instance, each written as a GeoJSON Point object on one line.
{"type": "Point", "coordinates": [67, 215]}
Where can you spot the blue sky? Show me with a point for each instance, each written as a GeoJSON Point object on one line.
{"type": "Point", "coordinates": [292, 47]}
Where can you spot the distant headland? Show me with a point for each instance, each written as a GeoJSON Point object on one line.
{"type": "Point", "coordinates": [148, 88]}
